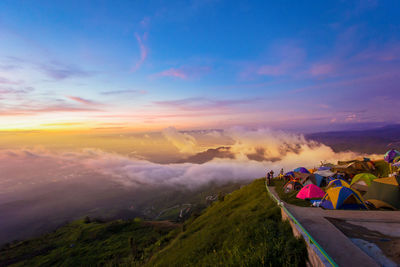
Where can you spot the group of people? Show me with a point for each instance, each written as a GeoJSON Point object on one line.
{"type": "Point", "coordinates": [270, 175]}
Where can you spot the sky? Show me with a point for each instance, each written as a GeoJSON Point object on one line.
{"type": "Point", "coordinates": [200, 64]}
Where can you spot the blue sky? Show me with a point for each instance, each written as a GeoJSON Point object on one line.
{"type": "Point", "coordinates": [306, 65]}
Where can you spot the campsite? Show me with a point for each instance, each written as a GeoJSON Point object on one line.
{"type": "Point", "coordinates": [351, 185]}
{"type": "Point", "coordinates": [359, 199]}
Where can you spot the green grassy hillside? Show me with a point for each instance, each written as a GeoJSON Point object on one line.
{"type": "Point", "coordinates": [245, 229]}
{"type": "Point", "coordinates": [242, 229]}
{"type": "Point", "coordinates": [84, 243]}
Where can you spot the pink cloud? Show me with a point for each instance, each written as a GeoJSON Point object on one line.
{"type": "Point", "coordinates": [173, 73]}
{"type": "Point", "coordinates": [120, 92]}
{"type": "Point", "coordinates": [12, 91]}
{"type": "Point", "coordinates": [81, 100]}
{"type": "Point", "coordinates": [32, 111]}
{"type": "Point", "coordinates": [143, 51]}
{"type": "Point", "coordinates": [321, 69]}
{"type": "Point", "coordinates": [325, 106]}
{"type": "Point", "coordinates": [7, 81]}
{"type": "Point", "coordinates": [389, 52]}
{"type": "Point", "coordinates": [333, 84]}
{"type": "Point", "coordinates": [61, 108]}
{"type": "Point", "coordinates": [288, 58]}
{"type": "Point", "coordinates": [61, 71]}
{"type": "Point", "coordinates": [183, 73]}
{"type": "Point", "coordinates": [273, 70]}
{"type": "Point", "coordinates": [351, 117]}
{"type": "Point", "coordinates": [201, 103]}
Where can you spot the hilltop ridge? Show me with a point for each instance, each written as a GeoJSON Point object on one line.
{"type": "Point", "coordinates": [242, 228]}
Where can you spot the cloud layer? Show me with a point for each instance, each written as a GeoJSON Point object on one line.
{"type": "Point", "coordinates": [185, 143]}
{"type": "Point", "coordinates": [255, 151]}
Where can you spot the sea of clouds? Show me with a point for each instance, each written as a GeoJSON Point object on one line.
{"type": "Point", "coordinates": [274, 150]}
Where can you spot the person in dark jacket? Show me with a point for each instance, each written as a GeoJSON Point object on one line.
{"type": "Point", "coordinates": [268, 176]}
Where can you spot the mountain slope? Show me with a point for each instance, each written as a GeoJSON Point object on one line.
{"type": "Point", "coordinates": [245, 229]}
{"type": "Point", "coordinates": [85, 243]}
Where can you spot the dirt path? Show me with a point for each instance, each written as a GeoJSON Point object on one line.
{"type": "Point", "coordinates": [337, 243]}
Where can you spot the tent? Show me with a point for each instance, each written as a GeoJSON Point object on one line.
{"type": "Point", "coordinates": [339, 176]}
{"type": "Point", "coordinates": [353, 167]}
{"type": "Point", "coordinates": [292, 186]}
{"type": "Point", "coordinates": [301, 169]}
{"type": "Point", "coordinates": [396, 161]}
{"type": "Point", "coordinates": [337, 183]}
{"type": "Point", "coordinates": [301, 176]}
{"type": "Point", "coordinates": [324, 168]}
{"type": "Point", "coordinates": [390, 155]}
{"type": "Point", "coordinates": [329, 179]}
{"type": "Point", "coordinates": [310, 191]}
{"type": "Point", "coordinates": [289, 174]}
{"type": "Point", "coordinates": [315, 179]}
{"type": "Point", "coordinates": [384, 192]}
{"type": "Point", "coordinates": [363, 179]}
{"type": "Point", "coordinates": [343, 198]}
{"type": "Point", "coordinates": [325, 173]}
{"type": "Point", "coordinates": [397, 164]}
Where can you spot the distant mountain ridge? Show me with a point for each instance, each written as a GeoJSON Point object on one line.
{"type": "Point", "coordinates": [377, 140]}
{"type": "Point", "coordinates": [371, 141]}
{"type": "Point", "coordinates": [209, 154]}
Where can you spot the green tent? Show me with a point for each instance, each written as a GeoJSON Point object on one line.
{"type": "Point", "coordinates": [384, 193]}
{"type": "Point", "coordinates": [363, 179]}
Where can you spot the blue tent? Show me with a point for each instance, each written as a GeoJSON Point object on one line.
{"type": "Point", "coordinates": [301, 169]}
{"type": "Point", "coordinates": [289, 174]}
{"type": "Point", "coordinates": [339, 176]}
{"type": "Point", "coordinates": [337, 183]}
{"type": "Point", "coordinates": [329, 179]}
{"type": "Point", "coordinates": [318, 179]}
{"type": "Point", "coordinates": [344, 198]}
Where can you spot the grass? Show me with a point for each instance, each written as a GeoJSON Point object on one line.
{"type": "Point", "coordinates": [90, 243]}
{"type": "Point", "coordinates": [288, 197]}
{"type": "Point", "coordinates": [245, 229]}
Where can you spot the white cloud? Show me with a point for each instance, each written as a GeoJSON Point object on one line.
{"type": "Point", "coordinates": [184, 142]}
{"type": "Point", "coordinates": [288, 150]}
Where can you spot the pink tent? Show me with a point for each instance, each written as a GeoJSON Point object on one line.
{"type": "Point", "coordinates": [310, 191]}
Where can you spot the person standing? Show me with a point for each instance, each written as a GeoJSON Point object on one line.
{"type": "Point", "coordinates": [272, 174]}
{"type": "Point", "coordinates": [281, 174]}
{"type": "Point", "coordinates": [268, 178]}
